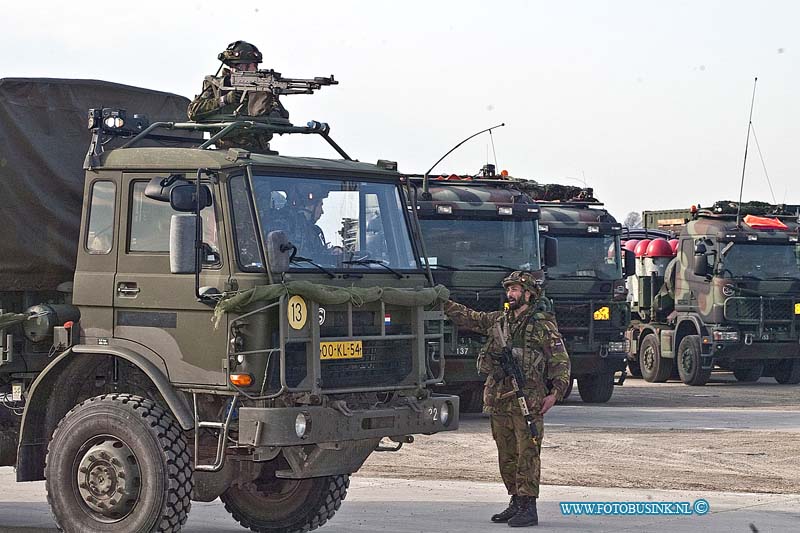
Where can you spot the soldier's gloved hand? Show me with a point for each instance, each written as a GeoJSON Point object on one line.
{"type": "Point", "coordinates": [231, 97]}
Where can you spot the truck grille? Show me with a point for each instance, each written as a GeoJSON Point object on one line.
{"type": "Point", "coordinates": [757, 310]}
{"type": "Point", "coordinates": [578, 317]}
{"type": "Point", "coordinates": [385, 363]}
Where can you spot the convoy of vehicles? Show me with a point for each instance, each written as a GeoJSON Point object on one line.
{"type": "Point", "coordinates": [725, 293]}
{"type": "Point", "coordinates": [179, 337]}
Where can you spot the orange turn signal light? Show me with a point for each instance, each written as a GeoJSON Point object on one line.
{"type": "Point", "coordinates": [241, 380]}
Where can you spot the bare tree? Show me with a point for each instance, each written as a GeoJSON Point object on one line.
{"type": "Point", "coordinates": [633, 220]}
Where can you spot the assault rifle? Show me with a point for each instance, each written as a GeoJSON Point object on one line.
{"type": "Point", "coordinates": [274, 83]}
{"type": "Point", "coordinates": [505, 358]}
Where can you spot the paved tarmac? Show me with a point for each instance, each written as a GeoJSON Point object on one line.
{"type": "Point", "coordinates": [681, 418]}
{"type": "Point", "coordinates": [419, 506]}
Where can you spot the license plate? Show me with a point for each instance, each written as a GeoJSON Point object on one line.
{"type": "Point", "coordinates": [340, 350]}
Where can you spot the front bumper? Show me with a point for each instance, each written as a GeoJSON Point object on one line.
{"type": "Point", "coordinates": [261, 427]}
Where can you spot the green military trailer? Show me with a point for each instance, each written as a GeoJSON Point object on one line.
{"type": "Point", "coordinates": [727, 297]}
{"type": "Point", "coordinates": [185, 322]}
{"type": "Point", "coordinates": [587, 286]}
{"type": "Point", "coordinates": [476, 230]}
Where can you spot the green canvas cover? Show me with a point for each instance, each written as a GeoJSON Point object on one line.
{"type": "Point", "coordinates": [43, 141]}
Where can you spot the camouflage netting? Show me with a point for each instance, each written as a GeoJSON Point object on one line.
{"type": "Point", "coordinates": [329, 295]}
{"type": "Point", "coordinates": [11, 319]}
{"type": "Point", "coordinates": [555, 192]}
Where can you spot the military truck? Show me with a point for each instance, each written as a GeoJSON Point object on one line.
{"type": "Point", "coordinates": [169, 332]}
{"type": "Point", "coordinates": [728, 299]}
{"type": "Point", "coordinates": [587, 286]}
{"type": "Point", "coordinates": [476, 230]}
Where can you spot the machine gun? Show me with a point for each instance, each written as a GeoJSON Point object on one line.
{"type": "Point", "coordinates": [509, 366]}
{"type": "Point", "coordinates": [274, 83]}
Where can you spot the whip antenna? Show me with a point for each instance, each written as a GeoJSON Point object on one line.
{"type": "Point", "coordinates": [746, 143]}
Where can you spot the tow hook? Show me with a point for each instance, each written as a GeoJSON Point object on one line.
{"type": "Point", "coordinates": [748, 339]}
{"type": "Point", "coordinates": [403, 439]}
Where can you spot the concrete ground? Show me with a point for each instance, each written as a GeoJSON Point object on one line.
{"type": "Point", "coordinates": [389, 505]}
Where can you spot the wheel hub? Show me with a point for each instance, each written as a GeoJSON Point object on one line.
{"type": "Point", "coordinates": [109, 479]}
{"type": "Point", "coordinates": [648, 359]}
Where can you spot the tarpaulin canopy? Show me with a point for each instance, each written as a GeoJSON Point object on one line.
{"type": "Point", "coordinates": [43, 141]}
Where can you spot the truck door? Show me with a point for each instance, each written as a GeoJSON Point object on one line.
{"type": "Point", "coordinates": [158, 309]}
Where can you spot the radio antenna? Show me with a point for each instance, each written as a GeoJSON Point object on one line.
{"type": "Point", "coordinates": [425, 193]}
{"type": "Point", "coordinates": [746, 143]}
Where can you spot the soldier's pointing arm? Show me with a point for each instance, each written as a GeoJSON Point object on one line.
{"type": "Point", "coordinates": [467, 318]}
{"type": "Point", "coordinates": [558, 364]}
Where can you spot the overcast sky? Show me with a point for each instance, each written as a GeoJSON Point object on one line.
{"type": "Point", "coordinates": [646, 101]}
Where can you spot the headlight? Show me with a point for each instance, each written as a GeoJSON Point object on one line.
{"type": "Point", "coordinates": [302, 424]}
{"type": "Point", "coordinates": [444, 415]}
{"type": "Point", "coordinates": [725, 335]}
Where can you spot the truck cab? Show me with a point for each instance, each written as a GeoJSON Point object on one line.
{"type": "Point", "coordinates": [734, 288]}
{"type": "Point", "coordinates": [476, 230]}
{"type": "Point", "coordinates": [253, 326]}
{"type": "Point", "coordinates": [587, 288]}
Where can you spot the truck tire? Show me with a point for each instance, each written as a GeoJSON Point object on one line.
{"type": "Point", "coordinates": [688, 361]}
{"type": "Point", "coordinates": [596, 388]}
{"type": "Point", "coordinates": [112, 445]}
{"type": "Point", "coordinates": [569, 389]}
{"type": "Point", "coordinates": [655, 369]}
{"type": "Point", "coordinates": [788, 372]}
{"type": "Point", "coordinates": [749, 374]}
{"type": "Point", "coordinates": [286, 505]}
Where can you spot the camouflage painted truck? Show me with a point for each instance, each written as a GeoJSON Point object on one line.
{"type": "Point", "coordinates": [476, 230]}
{"type": "Point", "coordinates": [587, 286]}
{"type": "Point", "coordinates": [178, 338]}
{"type": "Point", "coordinates": [728, 299]}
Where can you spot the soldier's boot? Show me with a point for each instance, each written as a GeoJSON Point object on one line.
{"type": "Point", "coordinates": [527, 515]}
{"type": "Point", "coordinates": [510, 511]}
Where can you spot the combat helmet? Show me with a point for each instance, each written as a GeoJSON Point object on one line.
{"type": "Point", "coordinates": [240, 52]}
{"type": "Point", "coordinates": [529, 281]}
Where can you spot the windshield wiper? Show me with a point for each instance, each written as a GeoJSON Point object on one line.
{"type": "Point", "coordinates": [373, 262]}
{"type": "Point", "coordinates": [298, 259]}
{"type": "Point", "coordinates": [500, 267]}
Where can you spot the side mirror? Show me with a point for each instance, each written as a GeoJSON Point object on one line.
{"type": "Point", "coordinates": [629, 265]}
{"type": "Point", "coordinates": [700, 264]}
{"type": "Point", "coordinates": [550, 251]}
{"type": "Point", "coordinates": [279, 252]}
{"type": "Point", "coordinates": [182, 234]}
{"type": "Point", "coordinates": [183, 198]}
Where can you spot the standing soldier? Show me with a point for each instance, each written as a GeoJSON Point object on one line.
{"type": "Point", "coordinates": [538, 349]}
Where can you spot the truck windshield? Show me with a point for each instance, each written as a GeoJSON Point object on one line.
{"type": "Point", "coordinates": [590, 256]}
{"type": "Point", "coordinates": [338, 223]}
{"type": "Point", "coordinates": [762, 261]}
{"type": "Point", "coordinates": [461, 243]}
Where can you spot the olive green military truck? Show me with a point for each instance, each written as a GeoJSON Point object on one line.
{"type": "Point", "coordinates": [476, 230]}
{"type": "Point", "coordinates": [729, 299]}
{"type": "Point", "coordinates": [587, 286]}
{"type": "Point", "coordinates": [182, 322]}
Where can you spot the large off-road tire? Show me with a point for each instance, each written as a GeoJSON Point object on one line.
{"type": "Point", "coordinates": [119, 463]}
{"type": "Point", "coordinates": [788, 372]}
{"type": "Point", "coordinates": [688, 360]}
{"type": "Point", "coordinates": [655, 369]}
{"type": "Point", "coordinates": [749, 374]}
{"type": "Point", "coordinates": [596, 388]}
{"type": "Point", "coordinates": [273, 505]}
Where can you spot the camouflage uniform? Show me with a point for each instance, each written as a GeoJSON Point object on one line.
{"type": "Point", "coordinates": [540, 353]}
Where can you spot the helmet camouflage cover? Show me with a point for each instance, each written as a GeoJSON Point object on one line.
{"type": "Point", "coordinates": [240, 52]}
{"type": "Point", "coordinates": [529, 281]}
